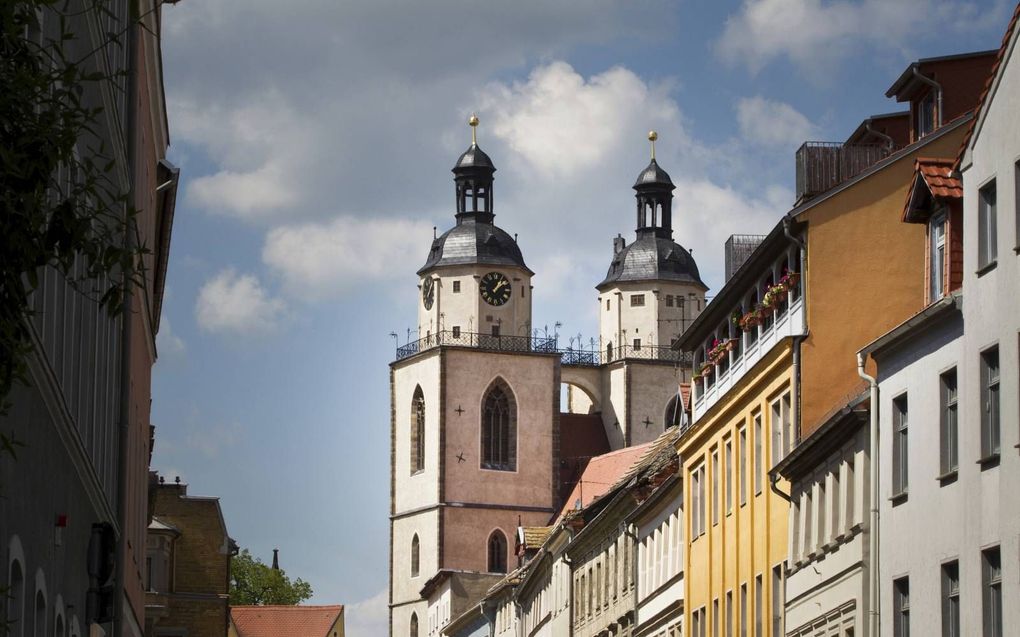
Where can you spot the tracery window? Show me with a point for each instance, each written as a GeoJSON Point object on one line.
{"type": "Point", "coordinates": [499, 429]}
{"type": "Point", "coordinates": [497, 552]}
{"type": "Point", "coordinates": [418, 431]}
{"type": "Point", "coordinates": [415, 555]}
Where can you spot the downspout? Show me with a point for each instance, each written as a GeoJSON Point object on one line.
{"type": "Point", "coordinates": [131, 103]}
{"type": "Point", "coordinates": [873, 576]}
{"type": "Point", "coordinates": [888, 140]}
{"type": "Point", "coordinates": [938, 94]}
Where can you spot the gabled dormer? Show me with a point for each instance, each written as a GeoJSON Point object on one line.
{"type": "Point", "coordinates": [935, 199]}
{"type": "Point", "coordinates": [940, 89]}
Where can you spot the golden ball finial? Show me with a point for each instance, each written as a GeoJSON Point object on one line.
{"type": "Point", "coordinates": [652, 136]}
{"type": "Point", "coordinates": [473, 120]}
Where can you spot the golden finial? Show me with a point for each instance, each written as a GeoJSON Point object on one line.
{"type": "Point", "coordinates": [652, 136]}
{"type": "Point", "coordinates": [473, 123]}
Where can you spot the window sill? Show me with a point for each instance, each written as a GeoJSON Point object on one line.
{"type": "Point", "coordinates": [948, 477]}
{"type": "Point", "coordinates": [899, 498]}
{"type": "Point", "coordinates": [988, 462]}
{"type": "Point", "coordinates": [985, 269]}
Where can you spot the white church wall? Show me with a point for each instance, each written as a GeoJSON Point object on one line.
{"type": "Point", "coordinates": [413, 491]}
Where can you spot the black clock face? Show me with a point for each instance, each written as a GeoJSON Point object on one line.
{"type": "Point", "coordinates": [428, 292]}
{"type": "Point", "coordinates": [495, 288]}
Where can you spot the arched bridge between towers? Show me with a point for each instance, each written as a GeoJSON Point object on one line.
{"type": "Point", "coordinates": [587, 379]}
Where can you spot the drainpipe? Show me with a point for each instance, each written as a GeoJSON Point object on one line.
{"type": "Point", "coordinates": [873, 577]}
{"type": "Point", "coordinates": [938, 94]}
{"type": "Point", "coordinates": [888, 140]}
{"type": "Point", "coordinates": [123, 470]}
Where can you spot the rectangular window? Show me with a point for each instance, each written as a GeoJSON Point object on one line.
{"type": "Point", "coordinates": [990, 403]}
{"type": "Point", "coordinates": [1016, 201]}
{"type": "Point", "coordinates": [951, 599]}
{"type": "Point", "coordinates": [695, 622]}
{"type": "Point", "coordinates": [991, 585]}
{"type": "Point", "coordinates": [495, 330]}
{"type": "Point", "coordinates": [637, 300]}
{"type": "Point", "coordinates": [637, 343]}
{"type": "Point", "coordinates": [758, 470]}
{"type": "Point", "coordinates": [778, 595]}
{"type": "Point", "coordinates": [729, 613]}
{"type": "Point", "coordinates": [669, 300]}
{"type": "Point", "coordinates": [743, 467]}
{"type": "Point", "coordinates": [948, 440]}
{"type": "Point", "coordinates": [607, 305]}
{"type": "Point", "coordinates": [715, 487]}
{"type": "Point", "coordinates": [987, 234]}
{"type": "Point", "coordinates": [937, 257]}
{"type": "Point", "coordinates": [901, 607]}
{"type": "Point", "coordinates": [698, 495]}
{"type": "Point", "coordinates": [456, 331]}
{"type": "Point", "coordinates": [743, 610]}
{"type": "Point", "coordinates": [777, 432]}
{"type": "Point", "coordinates": [715, 618]}
{"type": "Point", "coordinates": [925, 116]}
{"type": "Point", "coordinates": [456, 286]}
{"type": "Point", "coordinates": [758, 597]}
{"type": "Point", "coordinates": [728, 477]}
{"type": "Point", "coordinates": [787, 426]}
{"type": "Point", "coordinates": [899, 454]}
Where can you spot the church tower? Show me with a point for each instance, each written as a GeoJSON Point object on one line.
{"type": "Point", "coordinates": [649, 296]}
{"type": "Point", "coordinates": [474, 407]}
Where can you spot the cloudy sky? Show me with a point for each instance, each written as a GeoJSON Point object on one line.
{"type": "Point", "coordinates": [316, 138]}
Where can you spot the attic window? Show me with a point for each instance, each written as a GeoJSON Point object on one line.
{"type": "Point", "coordinates": [637, 300]}
{"type": "Point", "coordinates": [926, 115]}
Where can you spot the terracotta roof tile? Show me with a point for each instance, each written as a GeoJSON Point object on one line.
{"type": "Point", "coordinates": [284, 621]}
{"type": "Point", "coordinates": [1000, 56]}
{"type": "Point", "coordinates": [601, 474]}
{"type": "Point", "coordinates": [939, 175]}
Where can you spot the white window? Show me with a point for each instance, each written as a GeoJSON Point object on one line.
{"type": "Point", "coordinates": [987, 234]}
{"type": "Point", "coordinates": [948, 434]}
{"type": "Point", "coordinates": [715, 486]}
{"type": "Point", "coordinates": [758, 470]}
{"type": "Point", "coordinates": [728, 477]}
{"type": "Point", "coordinates": [900, 454]}
{"type": "Point", "coordinates": [937, 257]}
{"type": "Point", "coordinates": [637, 300]}
{"type": "Point", "coordinates": [990, 403]}
{"type": "Point", "coordinates": [926, 115]}
{"type": "Point", "coordinates": [743, 466]}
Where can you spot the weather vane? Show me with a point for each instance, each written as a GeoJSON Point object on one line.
{"type": "Point", "coordinates": [473, 123]}
{"type": "Point", "coordinates": [652, 136]}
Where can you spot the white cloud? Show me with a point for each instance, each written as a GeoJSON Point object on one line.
{"type": "Point", "coordinates": [369, 617]}
{"type": "Point", "coordinates": [319, 260]}
{"type": "Point", "coordinates": [167, 342]}
{"type": "Point", "coordinates": [562, 123]}
{"type": "Point", "coordinates": [815, 34]}
{"type": "Point", "coordinates": [232, 302]}
{"type": "Point", "coordinates": [772, 123]}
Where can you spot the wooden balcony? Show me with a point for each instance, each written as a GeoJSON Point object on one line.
{"type": "Point", "coordinates": [825, 165]}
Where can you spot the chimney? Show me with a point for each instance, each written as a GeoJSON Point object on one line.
{"type": "Point", "coordinates": [276, 559]}
{"type": "Point", "coordinates": [619, 243]}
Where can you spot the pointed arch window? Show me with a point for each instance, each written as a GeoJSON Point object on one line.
{"type": "Point", "coordinates": [499, 429]}
{"type": "Point", "coordinates": [497, 552]}
{"type": "Point", "coordinates": [418, 431]}
{"type": "Point", "coordinates": [15, 601]}
{"type": "Point", "coordinates": [415, 554]}
{"type": "Point", "coordinates": [674, 412]}
{"type": "Point", "coordinates": [413, 631]}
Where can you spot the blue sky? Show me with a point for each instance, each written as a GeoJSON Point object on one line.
{"type": "Point", "coordinates": [316, 139]}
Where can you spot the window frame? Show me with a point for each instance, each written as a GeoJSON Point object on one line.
{"type": "Point", "coordinates": [950, 599]}
{"type": "Point", "coordinates": [991, 415]}
{"type": "Point", "coordinates": [949, 423]}
{"type": "Point", "coordinates": [901, 607]}
{"type": "Point", "coordinates": [987, 252]}
{"type": "Point", "coordinates": [937, 256]}
{"type": "Point", "coordinates": [900, 446]}
{"type": "Point", "coordinates": [637, 300]}
{"type": "Point", "coordinates": [991, 592]}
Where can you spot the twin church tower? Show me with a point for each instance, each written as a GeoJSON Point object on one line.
{"type": "Point", "coordinates": [478, 442]}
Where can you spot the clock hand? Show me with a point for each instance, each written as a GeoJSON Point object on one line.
{"type": "Point", "coordinates": [499, 285]}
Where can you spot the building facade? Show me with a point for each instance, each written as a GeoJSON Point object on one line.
{"type": "Point", "coordinates": [79, 483]}
{"type": "Point", "coordinates": [477, 446]}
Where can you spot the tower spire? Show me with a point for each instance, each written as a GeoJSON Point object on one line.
{"type": "Point", "coordinates": [652, 136]}
{"type": "Point", "coordinates": [473, 123]}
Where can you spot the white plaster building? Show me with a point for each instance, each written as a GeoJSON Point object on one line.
{"type": "Point", "coordinates": [948, 383]}
{"type": "Point", "coordinates": [658, 528]}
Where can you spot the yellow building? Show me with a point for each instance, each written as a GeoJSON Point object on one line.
{"type": "Point", "coordinates": [735, 518]}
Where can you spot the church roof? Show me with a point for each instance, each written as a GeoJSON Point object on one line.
{"type": "Point", "coordinates": [293, 621]}
{"type": "Point", "coordinates": [471, 242]}
{"type": "Point", "coordinates": [652, 258]}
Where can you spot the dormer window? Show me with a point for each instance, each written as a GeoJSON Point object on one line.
{"type": "Point", "coordinates": [925, 122]}
{"type": "Point", "coordinates": [937, 257]}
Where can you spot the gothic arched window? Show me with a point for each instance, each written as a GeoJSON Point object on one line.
{"type": "Point", "coordinates": [674, 412]}
{"type": "Point", "coordinates": [415, 554]}
{"type": "Point", "coordinates": [418, 431]}
{"type": "Point", "coordinates": [497, 552]}
{"type": "Point", "coordinates": [499, 428]}
{"type": "Point", "coordinates": [413, 632]}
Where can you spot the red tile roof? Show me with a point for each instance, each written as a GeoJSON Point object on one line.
{"type": "Point", "coordinates": [601, 474]}
{"type": "Point", "coordinates": [938, 175]}
{"type": "Point", "coordinates": [284, 621]}
{"type": "Point", "coordinates": [999, 57]}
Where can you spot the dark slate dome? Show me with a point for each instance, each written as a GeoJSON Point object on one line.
{"type": "Point", "coordinates": [653, 175]}
{"type": "Point", "coordinates": [474, 157]}
{"type": "Point", "coordinates": [652, 258]}
{"type": "Point", "coordinates": [471, 242]}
